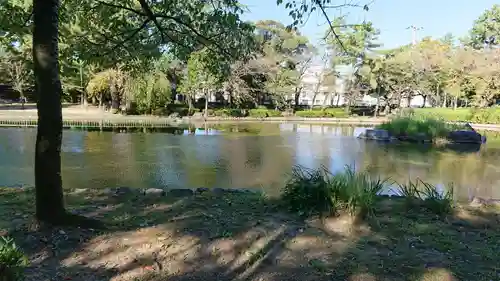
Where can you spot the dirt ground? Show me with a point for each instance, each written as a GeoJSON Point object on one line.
{"type": "Point", "coordinates": [249, 237]}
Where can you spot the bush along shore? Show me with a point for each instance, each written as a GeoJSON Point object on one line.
{"type": "Point", "coordinates": [423, 130]}
{"type": "Point", "coordinates": [472, 115]}
{"type": "Point", "coordinates": [322, 227]}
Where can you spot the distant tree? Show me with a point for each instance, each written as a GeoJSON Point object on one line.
{"type": "Point", "coordinates": [205, 74]}
{"type": "Point", "coordinates": [17, 72]}
{"type": "Point", "coordinates": [486, 29]}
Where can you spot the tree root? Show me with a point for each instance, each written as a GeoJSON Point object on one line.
{"type": "Point", "coordinates": [73, 220]}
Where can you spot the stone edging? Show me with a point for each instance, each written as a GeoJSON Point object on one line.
{"type": "Point", "coordinates": [175, 192]}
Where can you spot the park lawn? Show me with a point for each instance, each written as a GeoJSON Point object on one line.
{"type": "Point", "coordinates": [249, 237]}
{"type": "Point", "coordinates": [448, 114]}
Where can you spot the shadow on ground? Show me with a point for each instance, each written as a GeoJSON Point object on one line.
{"type": "Point", "coordinates": [28, 106]}
{"type": "Point", "coordinates": [248, 237]}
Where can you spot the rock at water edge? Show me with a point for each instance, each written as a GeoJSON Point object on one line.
{"type": "Point", "coordinates": [154, 192]}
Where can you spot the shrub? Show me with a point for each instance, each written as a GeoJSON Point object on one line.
{"type": "Point", "coordinates": [414, 126]}
{"type": "Point", "coordinates": [309, 114]}
{"type": "Point", "coordinates": [485, 116]}
{"type": "Point", "coordinates": [323, 113]}
{"type": "Point", "coordinates": [263, 113]}
{"type": "Point", "coordinates": [12, 260]}
{"type": "Point", "coordinates": [228, 112]}
{"type": "Point", "coordinates": [149, 91]}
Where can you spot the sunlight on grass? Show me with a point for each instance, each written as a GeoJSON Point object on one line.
{"type": "Point", "coordinates": [419, 126]}
{"type": "Point", "coordinates": [310, 192]}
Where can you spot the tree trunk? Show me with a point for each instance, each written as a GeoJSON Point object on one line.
{"type": "Point", "coordinates": [206, 103]}
{"type": "Point", "coordinates": [455, 103]}
{"type": "Point", "coordinates": [378, 104]}
{"type": "Point", "coordinates": [313, 101]}
{"type": "Point", "coordinates": [444, 102]}
{"type": "Point", "coordinates": [190, 103]}
{"type": "Point", "coordinates": [23, 99]}
{"type": "Point", "coordinates": [425, 100]}
{"type": "Point", "coordinates": [326, 96]}
{"type": "Point", "coordinates": [297, 97]}
{"type": "Point", "coordinates": [48, 181]}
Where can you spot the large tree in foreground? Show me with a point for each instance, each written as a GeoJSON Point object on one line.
{"type": "Point", "coordinates": [188, 24]}
{"type": "Point", "coordinates": [48, 182]}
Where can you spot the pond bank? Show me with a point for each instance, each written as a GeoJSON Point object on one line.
{"type": "Point", "coordinates": [194, 238]}
{"type": "Point", "coordinates": [77, 116]}
{"type": "Point", "coordinates": [92, 118]}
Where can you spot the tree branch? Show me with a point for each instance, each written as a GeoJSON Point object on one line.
{"type": "Point", "coordinates": [147, 12]}
{"type": "Point", "coordinates": [318, 2]}
{"type": "Point", "coordinates": [132, 35]}
{"type": "Point", "coordinates": [121, 7]}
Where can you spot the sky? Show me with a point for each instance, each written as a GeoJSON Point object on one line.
{"type": "Point", "coordinates": [435, 18]}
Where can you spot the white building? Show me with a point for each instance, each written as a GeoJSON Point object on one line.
{"type": "Point", "coordinates": [315, 94]}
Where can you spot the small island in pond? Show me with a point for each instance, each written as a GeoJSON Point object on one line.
{"type": "Point", "coordinates": [423, 131]}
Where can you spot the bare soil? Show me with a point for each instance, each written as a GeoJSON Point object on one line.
{"type": "Point", "coordinates": [249, 237]}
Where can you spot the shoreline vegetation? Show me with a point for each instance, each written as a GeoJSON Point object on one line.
{"type": "Point", "coordinates": [472, 115]}
{"type": "Point", "coordinates": [322, 227]}
{"type": "Point", "coordinates": [74, 116]}
{"type": "Point", "coordinates": [424, 130]}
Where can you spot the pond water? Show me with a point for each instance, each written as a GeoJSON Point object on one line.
{"type": "Point", "coordinates": [246, 155]}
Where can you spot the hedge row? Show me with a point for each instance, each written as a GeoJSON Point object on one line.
{"type": "Point", "coordinates": [256, 113]}
{"type": "Point", "coordinates": [473, 115]}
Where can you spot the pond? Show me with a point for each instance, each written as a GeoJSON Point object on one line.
{"type": "Point", "coordinates": [246, 155]}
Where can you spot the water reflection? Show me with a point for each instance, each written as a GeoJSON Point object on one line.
{"type": "Point", "coordinates": [246, 156]}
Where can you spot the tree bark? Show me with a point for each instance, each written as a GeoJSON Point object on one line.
{"type": "Point", "coordinates": [375, 113]}
{"type": "Point", "coordinates": [48, 181]}
{"type": "Point", "coordinates": [296, 96]}
{"type": "Point", "coordinates": [206, 103]}
{"type": "Point", "coordinates": [425, 101]}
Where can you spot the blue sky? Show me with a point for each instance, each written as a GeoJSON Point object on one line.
{"type": "Point", "coordinates": [392, 17]}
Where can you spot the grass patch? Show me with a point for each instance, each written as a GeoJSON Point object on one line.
{"type": "Point", "coordinates": [218, 237]}
{"type": "Point", "coordinates": [447, 114]}
{"type": "Point", "coordinates": [318, 192]}
{"type": "Point", "coordinates": [421, 194]}
{"type": "Point", "coordinates": [474, 115]}
{"type": "Point", "coordinates": [313, 192]}
{"type": "Point", "coordinates": [419, 128]}
{"type": "Point", "coordinates": [12, 260]}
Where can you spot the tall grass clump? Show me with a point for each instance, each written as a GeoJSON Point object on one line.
{"type": "Point", "coordinates": [12, 260]}
{"type": "Point", "coordinates": [434, 201]}
{"type": "Point", "coordinates": [428, 195]}
{"type": "Point", "coordinates": [310, 192]}
{"type": "Point", "coordinates": [356, 191]}
{"type": "Point", "coordinates": [417, 126]}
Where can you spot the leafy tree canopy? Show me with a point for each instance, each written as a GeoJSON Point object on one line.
{"type": "Point", "coordinates": [486, 29]}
